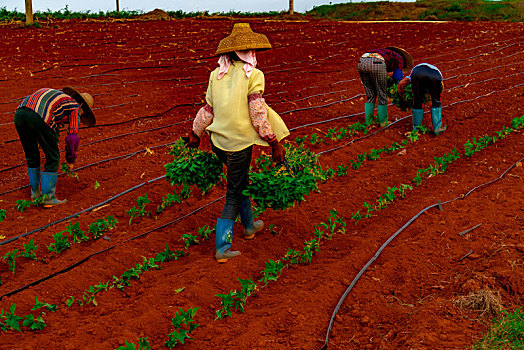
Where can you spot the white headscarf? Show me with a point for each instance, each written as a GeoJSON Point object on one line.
{"type": "Point", "coordinates": [247, 56]}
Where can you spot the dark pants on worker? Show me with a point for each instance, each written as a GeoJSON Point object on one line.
{"type": "Point", "coordinates": [237, 164]}
{"type": "Point", "coordinates": [34, 132]}
{"type": "Point", "coordinates": [425, 80]}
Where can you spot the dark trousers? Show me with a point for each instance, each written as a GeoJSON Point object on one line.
{"type": "Point", "coordinates": [237, 164]}
{"type": "Point", "coordinates": [426, 80]}
{"type": "Point", "coordinates": [33, 131]}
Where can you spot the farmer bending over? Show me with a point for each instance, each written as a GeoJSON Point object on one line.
{"type": "Point", "coordinates": [373, 68]}
{"type": "Point", "coordinates": [236, 117]}
{"type": "Point", "coordinates": [425, 79]}
{"type": "Point", "coordinates": [38, 120]}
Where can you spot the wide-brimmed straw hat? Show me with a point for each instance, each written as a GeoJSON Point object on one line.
{"type": "Point", "coordinates": [408, 60]}
{"type": "Point", "coordinates": [243, 38]}
{"type": "Point", "coordinates": [85, 100]}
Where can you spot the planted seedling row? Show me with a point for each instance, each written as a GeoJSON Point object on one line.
{"type": "Point", "coordinates": [273, 270]}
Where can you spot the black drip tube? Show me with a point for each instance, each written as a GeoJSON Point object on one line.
{"type": "Point", "coordinates": [361, 272]}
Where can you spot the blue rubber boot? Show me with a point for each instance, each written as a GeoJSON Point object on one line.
{"type": "Point", "coordinates": [436, 119]}
{"type": "Point", "coordinates": [369, 112]}
{"type": "Point", "coordinates": [418, 114]}
{"type": "Point", "coordinates": [382, 115]}
{"type": "Point", "coordinates": [246, 216]}
{"type": "Point", "coordinates": [34, 182]}
{"type": "Point", "coordinates": [224, 240]}
{"type": "Point", "coordinates": [48, 182]}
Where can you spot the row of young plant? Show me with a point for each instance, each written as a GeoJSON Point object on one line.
{"type": "Point", "coordinates": [273, 268]}
{"type": "Point", "coordinates": [32, 321]}
{"type": "Point", "coordinates": [271, 187]}
{"type": "Point", "coordinates": [204, 170]}
{"type": "Point", "coordinates": [182, 322]}
{"type": "Point", "coordinates": [74, 234]}
{"type": "Point", "coordinates": [237, 298]}
{"type": "Point", "coordinates": [62, 241]}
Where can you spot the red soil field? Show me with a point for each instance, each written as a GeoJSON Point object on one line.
{"type": "Point", "coordinates": [149, 79]}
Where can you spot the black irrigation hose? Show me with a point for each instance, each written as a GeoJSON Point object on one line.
{"type": "Point", "coordinates": [361, 272]}
{"type": "Point", "coordinates": [32, 284]}
{"type": "Point", "coordinates": [78, 263]}
{"type": "Point", "coordinates": [80, 212]}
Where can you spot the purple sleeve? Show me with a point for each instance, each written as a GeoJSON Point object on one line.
{"type": "Point", "coordinates": [72, 142]}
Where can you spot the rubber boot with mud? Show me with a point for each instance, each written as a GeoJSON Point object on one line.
{"type": "Point", "coordinates": [418, 114]}
{"type": "Point", "coordinates": [436, 119]}
{"type": "Point", "coordinates": [369, 112]}
{"type": "Point", "coordinates": [34, 182]}
{"type": "Point", "coordinates": [382, 115]}
{"type": "Point", "coordinates": [224, 240]}
{"type": "Point", "coordinates": [48, 182]}
{"type": "Point", "coordinates": [246, 216]}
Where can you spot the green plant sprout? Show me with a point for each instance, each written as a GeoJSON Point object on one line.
{"type": "Point", "coordinates": [60, 244]}
{"type": "Point", "coordinates": [10, 257]}
{"type": "Point", "coordinates": [140, 211]}
{"type": "Point", "coordinates": [235, 298]}
{"type": "Point", "coordinates": [143, 344]}
{"type": "Point", "coordinates": [30, 250]}
{"type": "Point", "coordinates": [272, 271]}
{"type": "Point", "coordinates": [184, 325]}
{"type": "Point", "coordinates": [189, 240]}
{"type": "Point", "coordinates": [75, 231]}
{"type": "Point", "coordinates": [22, 204]}
{"type": "Point", "coordinates": [100, 226]}
{"type": "Point", "coordinates": [39, 305]}
{"type": "Point", "coordinates": [205, 231]}
{"type": "Point", "coordinates": [10, 320]}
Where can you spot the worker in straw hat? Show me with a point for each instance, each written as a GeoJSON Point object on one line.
{"type": "Point", "coordinates": [38, 120]}
{"type": "Point", "coordinates": [237, 117]}
{"type": "Point", "coordinates": [425, 79]}
{"type": "Point", "coordinates": [374, 67]}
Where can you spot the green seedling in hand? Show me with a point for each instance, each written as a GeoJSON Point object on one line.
{"type": "Point", "coordinates": [70, 173]}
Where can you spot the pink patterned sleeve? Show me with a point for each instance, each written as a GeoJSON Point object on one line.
{"type": "Point", "coordinates": [203, 119]}
{"type": "Point", "coordinates": [258, 114]}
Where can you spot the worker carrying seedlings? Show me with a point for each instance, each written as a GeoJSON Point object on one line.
{"type": "Point", "coordinates": [374, 67]}
{"type": "Point", "coordinates": [237, 117]}
{"type": "Point", "coordinates": [38, 120]}
{"type": "Point", "coordinates": [424, 79]}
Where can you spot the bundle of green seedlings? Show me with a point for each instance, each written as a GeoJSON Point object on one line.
{"type": "Point", "coordinates": [278, 187]}
{"type": "Point", "coordinates": [403, 103]}
{"type": "Point", "coordinates": [191, 166]}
